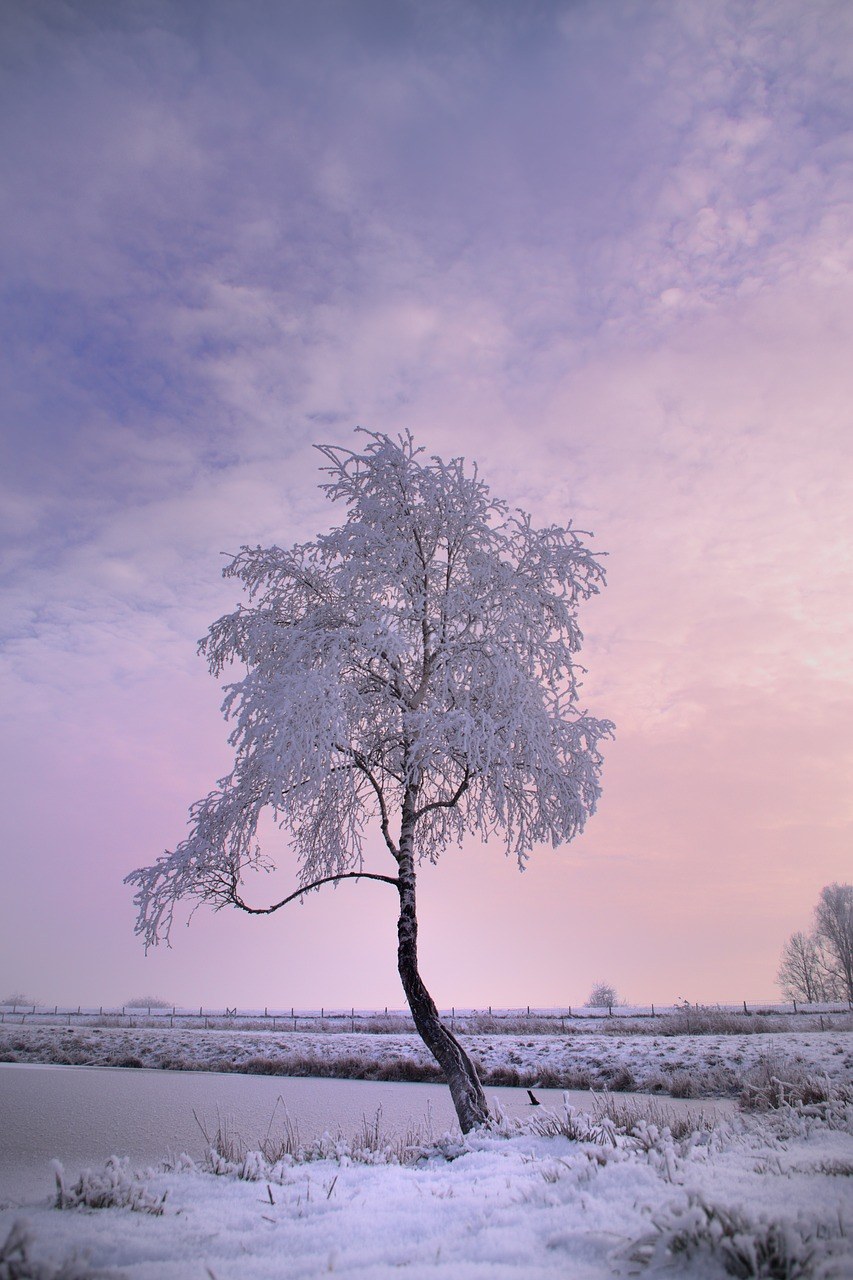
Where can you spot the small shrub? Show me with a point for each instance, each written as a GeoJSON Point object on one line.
{"type": "Point", "coordinates": [113, 1187]}
{"type": "Point", "coordinates": [775, 1082]}
{"type": "Point", "coordinates": [503, 1076]}
{"type": "Point", "coordinates": [622, 1080]}
{"type": "Point", "coordinates": [577, 1126]}
{"type": "Point", "coordinates": [748, 1250]}
{"type": "Point", "coordinates": [682, 1085]}
{"type": "Point", "coordinates": [602, 996]}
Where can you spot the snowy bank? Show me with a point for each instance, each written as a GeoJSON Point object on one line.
{"type": "Point", "coordinates": [682, 1066]}
{"type": "Point", "coordinates": [760, 1195]}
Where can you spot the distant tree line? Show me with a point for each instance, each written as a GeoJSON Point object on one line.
{"type": "Point", "coordinates": [818, 966]}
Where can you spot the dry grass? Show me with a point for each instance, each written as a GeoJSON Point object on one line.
{"type": "Point", "coordinates": [685, 1235]}
{"type": "Point", "coordinates": [18, 1263]}
{"type": "Point", "coordinates": [774, 1083]}
{"type": "Point", "coordinates": [230, 1154]}
{"type": "Point", "coordinates": [113, 1187]}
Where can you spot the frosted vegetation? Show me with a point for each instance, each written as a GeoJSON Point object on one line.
{"type": "Point", "coordinates": [818, 966]}
{"type": "Point", "coordinates": [624, 1191]}
{"type": "Point", "coordinates": [715, 1064]}
{"type": "Point", "coordinates": [413, 670]}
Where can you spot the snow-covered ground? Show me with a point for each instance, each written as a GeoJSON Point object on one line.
{"type": "Point", "coordinates": [588, 1203]}
{"type": "Point", "coordinates": [686, 1066]}
{"type": "Point", "coordinates": [758, 1194]}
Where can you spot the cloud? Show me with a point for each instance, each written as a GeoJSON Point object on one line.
{"type": "Point", "coordinates": [602, 250]}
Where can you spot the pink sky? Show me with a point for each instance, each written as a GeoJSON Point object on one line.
{"type": "Point", "coordinates": [604, 251]}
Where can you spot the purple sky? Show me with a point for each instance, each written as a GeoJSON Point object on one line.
{"type": "Point", "coordinates": [602, 249]}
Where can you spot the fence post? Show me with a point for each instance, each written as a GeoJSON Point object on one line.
{"type": "Point", "coordinates": [745, 1008]}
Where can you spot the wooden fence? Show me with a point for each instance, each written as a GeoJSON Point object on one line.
{"type": "Point", "coordinates": [376, 1020]}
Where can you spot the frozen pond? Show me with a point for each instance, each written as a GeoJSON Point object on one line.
{"type": "Point", "coordinates": [82, 1115]}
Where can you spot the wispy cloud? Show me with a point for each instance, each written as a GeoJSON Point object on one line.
{"type": "Point", "coordinates": [603, 249]}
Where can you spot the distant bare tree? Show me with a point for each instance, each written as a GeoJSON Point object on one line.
{"type": "Point", "coordinates": [800, 973]}
{"type": "Point", "coordinates": [834, 932]}
{"type": "Point", "coordinates": [602, 996]}
{"type": "Point", "coordinates": [819, 966]}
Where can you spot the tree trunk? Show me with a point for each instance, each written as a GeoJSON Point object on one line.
{"type": "Point", "coordinates": [465, 1088]}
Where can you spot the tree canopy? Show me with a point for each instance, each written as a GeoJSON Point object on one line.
{"type": "Point", "coordinates": [428, 641]}
{"type": "Point", "coordinates": [414, 667]}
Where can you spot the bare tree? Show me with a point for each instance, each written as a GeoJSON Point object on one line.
{"type": "Point", "coordinates": [834, 930]}
{"type": "Point", "coordinates": [602, 996]}
{"type": "Point", "coordinates": [800, 973]}
{"type": "Point", "coordinates": [413, 668]}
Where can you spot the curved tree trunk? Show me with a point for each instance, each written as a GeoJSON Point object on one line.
{"type": "Point", "coordinates": [465, 1088]}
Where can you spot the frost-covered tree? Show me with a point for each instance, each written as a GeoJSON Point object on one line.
{"type": "Point", "coordinates": [801, 975]}
{"type": "Point", "coordinates": [414, 668]}
{"type": "Point", "coordinates": [819, 966]}
{"type": "Point", "coordinates": [602, 996]}
{"type": "Point", "coordinates": [834, 932]}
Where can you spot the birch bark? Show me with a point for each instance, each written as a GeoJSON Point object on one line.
{"type": "Point", "coordinates": [459, 1071]}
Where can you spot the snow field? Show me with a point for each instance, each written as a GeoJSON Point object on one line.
{"type": "Point", "coordinates": [686, 1066]}
{"type": "Point", "coordinates": [510, 1206]}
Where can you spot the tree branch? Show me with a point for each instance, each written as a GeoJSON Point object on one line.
{"type": "Point", "coordinates": [446, 804]}
{"type": "Point", "coordinates": [361, 764]}
{"type": "Point", "coordinates": [234, 897]}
